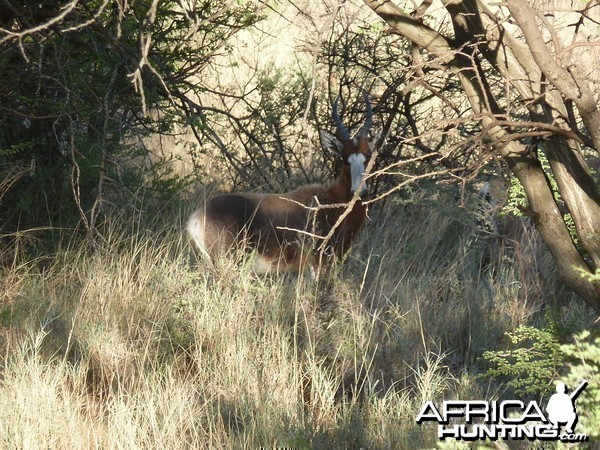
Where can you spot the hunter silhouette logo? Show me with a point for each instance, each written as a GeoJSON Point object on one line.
{"type": "Point", "coordinates": [472, 420]}
{"type": "Point", "coordinates": [561, 406]}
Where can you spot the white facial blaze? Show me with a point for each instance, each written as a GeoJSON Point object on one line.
{"type": "Point", "coordinates": [357, 170]}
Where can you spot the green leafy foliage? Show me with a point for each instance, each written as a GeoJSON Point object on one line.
{"type": "Point", "coordinates": [585, 354]}
{"type": "Point", "coordinates": [517, 200]}
{"type": "Point", "coordinates": [590, 276]}
{"type": "Point", "coordinates": [536, 357]}
{"type": "Point", "coordinates": [532, 360]}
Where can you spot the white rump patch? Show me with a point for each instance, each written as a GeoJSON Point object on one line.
{"type": "Point", "coordinates": [196, 232]}
{"type": "Point", "coordinates": [262, 265]}
{"type": "Point", "coordinates": [357, 170]}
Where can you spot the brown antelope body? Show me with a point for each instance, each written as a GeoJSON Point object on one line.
{"type": "Point", "coordinates": [277, 225]}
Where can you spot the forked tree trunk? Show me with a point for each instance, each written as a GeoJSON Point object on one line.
{"type": "Point", "coordinates": [527, 66]}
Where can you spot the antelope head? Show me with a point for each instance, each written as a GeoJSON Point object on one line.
{"type": "Point", "coordinates": [354, 152]}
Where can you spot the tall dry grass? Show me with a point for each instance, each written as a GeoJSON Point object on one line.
{"type": "Point", "coordinates": [134, 347]}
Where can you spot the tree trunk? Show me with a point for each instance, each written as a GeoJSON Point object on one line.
{"type": "Point", "coordinates": [512, 59]}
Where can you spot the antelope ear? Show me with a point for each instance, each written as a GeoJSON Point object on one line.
{"type": "Point", "coordinates": [331, 143]}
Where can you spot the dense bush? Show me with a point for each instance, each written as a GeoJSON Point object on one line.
{"type": "Point", "coordinates": [82, 82]}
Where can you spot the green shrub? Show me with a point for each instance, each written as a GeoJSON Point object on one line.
{"type": "Point", "coordinates": [532, 361]}
{"type": "Point", "coordinates": [585, 354]}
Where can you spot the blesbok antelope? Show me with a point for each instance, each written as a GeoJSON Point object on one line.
{"type": "Point", "coordinates": [275, 226]}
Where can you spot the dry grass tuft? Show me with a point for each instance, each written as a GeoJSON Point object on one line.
{"type": "Point", "coordinates": [133, 347]}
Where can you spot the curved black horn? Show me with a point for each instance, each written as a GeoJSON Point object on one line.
{"type": "Point", "coordinates": [343, 132]}
{"type": "Point", "coordinates": [364, 131]}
